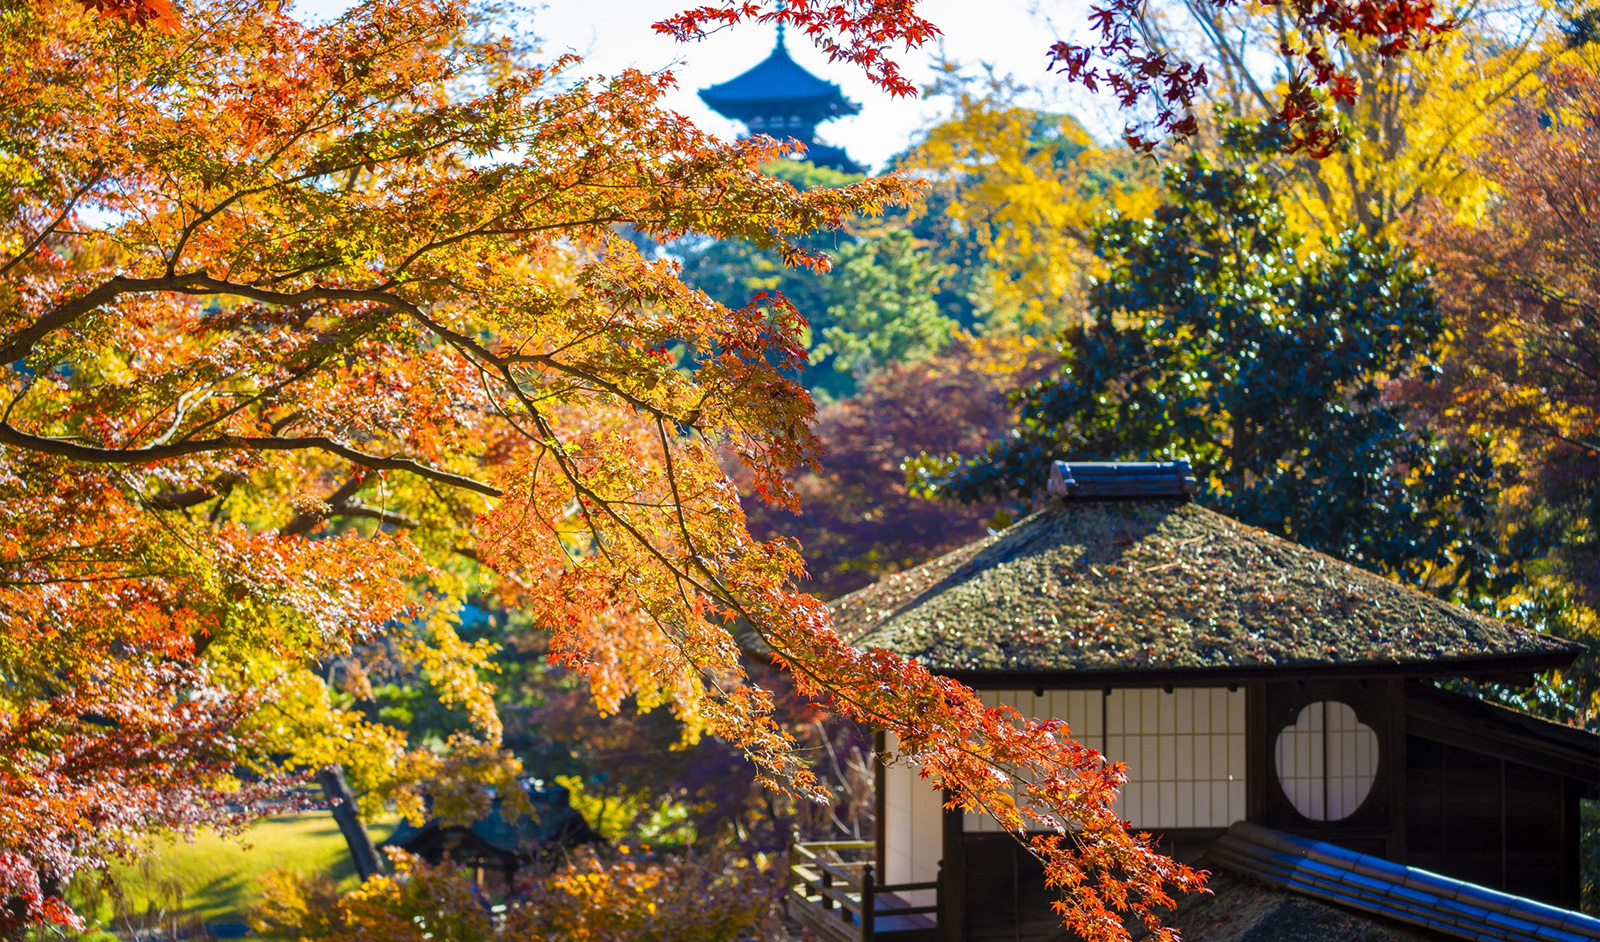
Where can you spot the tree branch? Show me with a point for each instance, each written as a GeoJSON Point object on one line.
{"type": "Point", "coordinates": [92, 454]}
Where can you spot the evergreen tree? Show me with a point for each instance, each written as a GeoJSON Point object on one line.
{"type": "Point", "coordinates": [1217, 334]}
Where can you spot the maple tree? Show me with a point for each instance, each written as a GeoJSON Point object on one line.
{"type": "Point", "coordinates": [311, 329]}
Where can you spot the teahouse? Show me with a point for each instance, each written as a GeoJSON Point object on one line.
{"type": "Point", "coordinates": [1275, 708]}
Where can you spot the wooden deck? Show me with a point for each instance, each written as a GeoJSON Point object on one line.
{"type": "Point", "coordinates": [833, 891]}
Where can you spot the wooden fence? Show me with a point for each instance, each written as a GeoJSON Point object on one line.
{"type": "Point", "coordinates": [841, 900]}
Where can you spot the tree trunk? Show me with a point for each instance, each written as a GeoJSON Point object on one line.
{"type": "Point", "coordinates": [342, 802]}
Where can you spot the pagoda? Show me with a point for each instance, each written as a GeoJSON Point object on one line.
{"type": "Point", "coordinates": [781, 99]}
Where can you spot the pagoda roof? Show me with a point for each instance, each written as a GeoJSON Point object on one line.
{"type": "Point", "coordinates": [1119, 588]}
{"type": "Point", "coordinates": [778, 84]}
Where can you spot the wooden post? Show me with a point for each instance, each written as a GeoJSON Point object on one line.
{"type": "Point", "coordinates": [790, 877]}
{"type": "Point", "coordinates": [952, 874]}
{"type": "Point", "coordinates": [1261, 773]}
{"type": "Point", "coordinates": [827, 884]}
{"type": "Point", "coordinates": [868, 904]}
{"type": "Point", "coordinates": [880, 801]}
{"type": "Point", "coordinates": [1392, 767]}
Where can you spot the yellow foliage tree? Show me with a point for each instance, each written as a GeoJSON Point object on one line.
{"type": "Point", "coordinates": [1023, 184]}
{"type": "Point", "coordinates": [1409, 127]}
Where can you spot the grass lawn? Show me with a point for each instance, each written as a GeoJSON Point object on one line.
{"type": "Point", "coordinates": [215, 878]}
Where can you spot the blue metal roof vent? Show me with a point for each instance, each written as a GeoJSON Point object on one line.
{"type": "Point", "coordinates": [1121, 480]}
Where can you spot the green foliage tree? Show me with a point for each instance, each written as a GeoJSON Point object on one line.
{"type": "Point", "coordinates": [1218, 335]}
{"type": "Point", "coordinates": [884, 300]}
{"type": "Point", "coordinates": [883, 309]}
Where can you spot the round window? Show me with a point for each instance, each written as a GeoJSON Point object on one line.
{"type": "Point", "coordinates": [1327, 761]}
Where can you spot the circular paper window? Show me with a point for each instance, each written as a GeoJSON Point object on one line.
{"type": "Point", "coordinates": [1327, 761]}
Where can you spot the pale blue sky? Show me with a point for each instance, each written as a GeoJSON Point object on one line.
{"type": "Point", "coordinates": [1012, 35]}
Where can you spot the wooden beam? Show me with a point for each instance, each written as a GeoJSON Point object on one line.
{"type": "Point", "coordinates": [880, 804]}
{"type": "Point", "coordinates": [1392, 766]}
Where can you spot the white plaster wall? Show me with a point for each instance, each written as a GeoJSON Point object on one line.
{"type": "Point", "coordinates": [913, 831]}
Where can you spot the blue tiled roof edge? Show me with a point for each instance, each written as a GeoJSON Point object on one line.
{"type": "Point", "coordinates": [1327, 871]}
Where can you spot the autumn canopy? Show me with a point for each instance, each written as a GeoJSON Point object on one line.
{"type": "Point", "coordinates": [310, 331]}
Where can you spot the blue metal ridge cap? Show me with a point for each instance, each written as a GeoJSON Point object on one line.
{"type": "Point", "coordinates": [1121, 479]}
{"type": "Point", "coordinates": [1332, 883]}
{"type": "Point", "coordinates": [1560, 935]}
{"type": "Point", "coordinates": [1454, 924]}
{"type": "Point", "coordinates": [1328, 871]}
{"type": "Point", "coordinates": [1409, 914]}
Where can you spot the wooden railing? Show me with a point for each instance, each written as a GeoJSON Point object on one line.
{"type": "Point", "coordinates": [842, 900]}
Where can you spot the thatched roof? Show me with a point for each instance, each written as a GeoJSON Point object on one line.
{"type": "Point", "coordinates": [1143, 585]}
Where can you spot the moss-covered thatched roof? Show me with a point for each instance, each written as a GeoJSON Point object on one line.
{"type": "Point", "coordinates": [1161, 585]}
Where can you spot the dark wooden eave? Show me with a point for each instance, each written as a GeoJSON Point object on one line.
{"type": "Point", "coordinates": [1512, 670]}
{"type": "Point", "coordinates": [1511, 735]}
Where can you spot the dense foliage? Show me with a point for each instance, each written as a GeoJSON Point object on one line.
{"type": "Point", "coordinates": [354, 422]}
{"type": "Point", "coordinates": [1520, 283]}
{"type": "Point", "coordinates": [1408, 131]}
{"type": "Point", "coordinates": [858, 519]}
{"type": "Point", "coordinates": [1219, 335]}
{"type": "Point", "coordinates": [624, 897]}
{"type": "Point", "coordinates": [313, 331]}
{"type": "Point", "coordinates": [1521, 295]}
